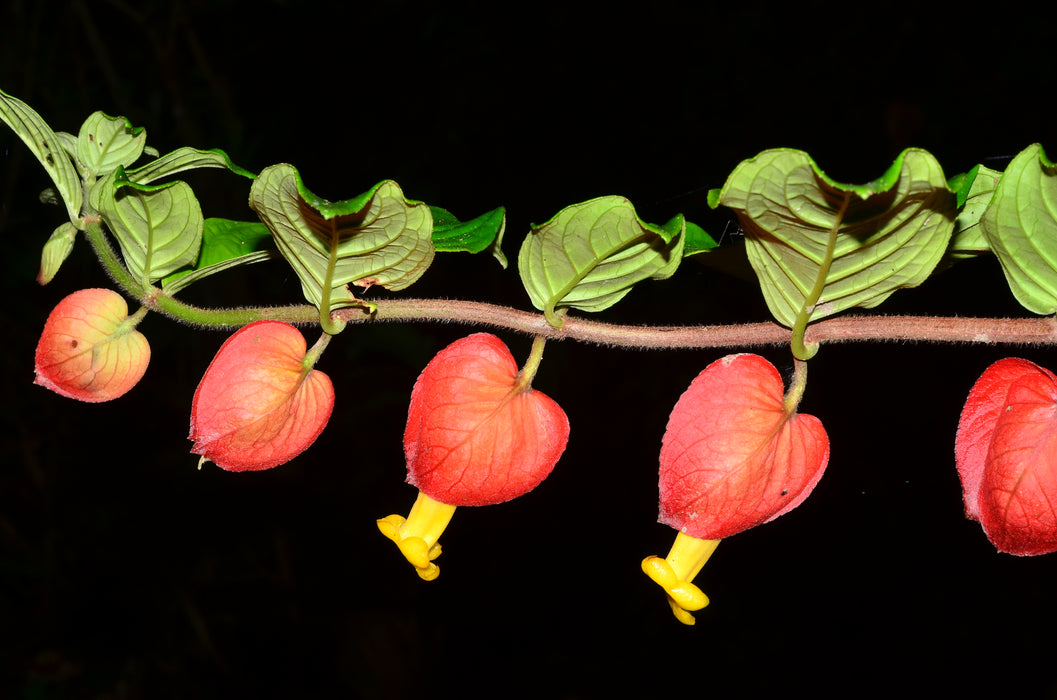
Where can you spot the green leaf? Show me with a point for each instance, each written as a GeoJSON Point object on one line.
{"type": "Point", "coordinates": [224, 239]}
{"type": "Point", "coordinates": [820, 247]}
{"type": "Point", "coordinates": [1021, 227]}
{"type": "Point", "coordinates": [961, 184]}
{"type": "Point", "coordinates": [474, 236]}
{"type": "Point", "coordinates": [974, 190]}
{"type": "Point", "coordinates": [590, 255]}
{"type": "Point", "coordinates": [159, 229]}
{"type": "Point", "coordinates": [184, 159]}
{"type": "Point", "coordinates": [106, 143]}
{"type": "Point", "coordinates": [697, 240]}
{"type": "Point", "coordinates": [56, 250]}
{"type": "Point", "coordinates": [69, 143]}
{"type": "Point", "coordinates": [46, 146]}
{"type": "Point", "coordinates": [378, 237]}
{"type": "Point", "coordinates": [225, 244]}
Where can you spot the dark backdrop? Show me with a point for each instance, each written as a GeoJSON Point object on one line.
{"type": "Point", "coordinates": [127, 573]}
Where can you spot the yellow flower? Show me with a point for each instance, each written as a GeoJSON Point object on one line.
{"type": "Point", "coordinates": [417, 535]}
{"type": "Point", "coordinates": [675, 574]}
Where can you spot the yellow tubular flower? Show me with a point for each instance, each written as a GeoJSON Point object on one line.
{"type": "Point", "coordinates": [417, 535]}
{"type": "Point", "coordinates": [675, 574]}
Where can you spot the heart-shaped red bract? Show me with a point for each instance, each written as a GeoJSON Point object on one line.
{"type": "Point", "coordinates": [1006, 452]}
{"type": "Point", "coordinates": [85, 354]}
{"type": "Point", "coordinates": [732, 457]}
{"type": "Point", "coordinates": [474, 436]}
{"type": "Point", "coordinates": [257, 406]}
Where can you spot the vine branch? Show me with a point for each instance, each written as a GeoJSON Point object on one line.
{"type": "Point", "coordinates": [1014, 331]}
{"type": "Point", "coordinates": [844, 329]}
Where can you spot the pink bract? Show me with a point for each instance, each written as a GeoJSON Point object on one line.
{"type": "Point", "coordinates": [474, 436]}
{"type": "Point", "coordinates": [257, 406]}
{"type": "Point", "coordinates": [732, 457]}
{"type": "Point", "coordinates": [84, 352]}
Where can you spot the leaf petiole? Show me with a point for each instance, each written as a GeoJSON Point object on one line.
{"type": "Point", "coordinates": [801, 350]}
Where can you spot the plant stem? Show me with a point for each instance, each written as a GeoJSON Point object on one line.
{"type": "Point", "coordinates": [844, 329]}
{"type": "Point", "coordinates": [134, 320]}
{"type": "Point", "coordinates": [532, 364]}
{"type": "Point", "coordinates": [314, 353]}
{"type": "Point", "coordinates": [163, 302]}
{"type": "Point", "coordinates": [225, 319]}
{"type": "Point", "coordinates": [109, 260]}
{"type": "Point", "coordinates": [796, 386]}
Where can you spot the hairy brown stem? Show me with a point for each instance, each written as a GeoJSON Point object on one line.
{"type": "Point", "coordinates": [1015, 331]}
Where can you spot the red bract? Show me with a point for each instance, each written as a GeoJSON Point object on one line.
{"type": "Point", "coordinates": [474, 435]}
{"type": "Point", "coordinates": [477, 434]}
{"type": "Point", "coordinates": [258, 405]}
{"type": "Point", "coordinates": [733, 457]}
{"type": "Point", "coordinates": [87, 351]}
{"type": "Point", "coordinates": [1006, 452]}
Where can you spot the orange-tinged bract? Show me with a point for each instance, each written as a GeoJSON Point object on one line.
{"type": "Point", "coordinates": [87, 350]}
{"type": "Point", "coordinates": [258, 405]}
{"type": "Point", "coordinates": [477, 434]}
{"type": "Point", "coordinates": [474, 436]}
{"type": "Point", "coordinates": [732, 456]}
{"type": "Point", "coordinates": [1006, 452]}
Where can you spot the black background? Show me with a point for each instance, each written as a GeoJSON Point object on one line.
{"type": "Point", "coordinates": [127, 573]}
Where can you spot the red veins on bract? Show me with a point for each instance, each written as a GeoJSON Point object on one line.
{"type": "Point", "coordinates": [85, 351]}
{"type": "Point", "coordinates": [1006, 452]}
{"type": "Point", "coordinates": [732, 457]}
{"type": "Point", "coordinates": [474, 436]}
{"type": "Point", "coordinates": [257, 405]}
